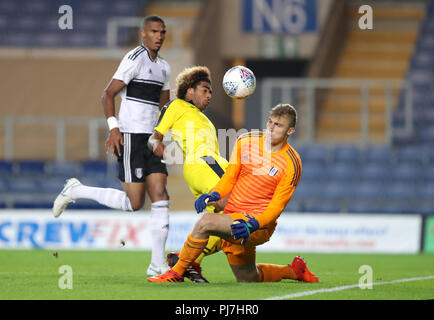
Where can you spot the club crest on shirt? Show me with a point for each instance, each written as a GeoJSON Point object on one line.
{"type": "Point", "coordinates": [139, 173]}
{"type": "Point", "coordinates": [273, 171]}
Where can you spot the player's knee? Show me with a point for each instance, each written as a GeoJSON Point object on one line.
{"type": "Point", "coordinates": [247, 277]}
{"type": "Point", "coordinates": [205, 224]}
{"type": "Point", "coordinates": [137, 205]}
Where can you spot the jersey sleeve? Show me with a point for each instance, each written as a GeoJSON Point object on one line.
{"type": "Point", "coordinates": [229, 178]}
{"type": "Point", "coordinates": [169, 114]}
{"type": "Point", "coordinates": [282, 194]}
{"type": "Point", "coordinates": [127, 70]}
{"type": "Point", "coordinates": [166, 85]}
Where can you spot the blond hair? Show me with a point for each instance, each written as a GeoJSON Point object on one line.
{"type": "Point", "coordinates": [284, 109]}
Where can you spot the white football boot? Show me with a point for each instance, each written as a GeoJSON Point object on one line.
{"type": "Point", "coordinates": [64, 198]}
{"type": "Point", "coordinates": [154, 270]}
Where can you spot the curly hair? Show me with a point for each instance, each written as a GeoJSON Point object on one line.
{"type": "Point", "coordinates": [190, 78]}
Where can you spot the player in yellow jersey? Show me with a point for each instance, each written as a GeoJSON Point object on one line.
{"type": "Point", "coordinates": [262, 175]}
{"type": "Point", "coordinates": [196, 136]}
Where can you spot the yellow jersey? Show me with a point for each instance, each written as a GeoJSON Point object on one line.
{"type": "Point", "coordinates": [190, 128]}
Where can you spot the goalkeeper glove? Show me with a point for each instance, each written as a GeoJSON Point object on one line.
{"type": "Point", "coordinates": [242, 229]}
{"type": "Point", "coordinates": [201, 203]}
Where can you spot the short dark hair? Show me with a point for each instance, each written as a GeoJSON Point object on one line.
{"type": "Point", "coordinates": [284, 109]}
{"type": "Point", "coordinates": [190, 78]}
{"type": "Point", "coordinates": [152, 18]}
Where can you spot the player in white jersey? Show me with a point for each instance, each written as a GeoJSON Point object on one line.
{"type": "Point", "coordinates": [142, 80]}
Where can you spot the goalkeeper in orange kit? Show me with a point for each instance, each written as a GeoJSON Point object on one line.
{"type": "Point", "coordinates": [263, 172]}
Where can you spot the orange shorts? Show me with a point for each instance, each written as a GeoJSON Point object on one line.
{"type": "Point", "coordinates": [239, 255]}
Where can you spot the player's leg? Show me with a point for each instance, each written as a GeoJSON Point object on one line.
{"type": "Point", "coordinates": [208, 224]}
{"type": "Point", "coordinates": [75, 190]}
{"type": "Point", "coordinates": [201, 178]}
{"type": "Point", "coordinates": [159, 221]}
{"type": "Point", "coordinates": [156, 182]}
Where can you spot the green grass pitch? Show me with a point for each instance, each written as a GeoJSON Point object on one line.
{"type": "Point", "coordinates": [34, 274]}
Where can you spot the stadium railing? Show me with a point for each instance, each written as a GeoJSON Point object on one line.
{"type": "Point", "coordinates": [303, 91]}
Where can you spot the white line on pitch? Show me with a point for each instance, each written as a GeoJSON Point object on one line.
{"type": "Point", "coordinates": [312, 292]}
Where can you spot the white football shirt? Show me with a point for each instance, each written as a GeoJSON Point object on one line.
{"type": "Point", "coordinates": [145, 79]}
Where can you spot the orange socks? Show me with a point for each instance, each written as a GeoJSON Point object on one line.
{"type": "Point", "coordinates": [191, 250]}
{"type": "Point", "coordinates": [274, 272]}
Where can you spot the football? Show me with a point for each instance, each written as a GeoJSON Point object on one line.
{"type": "Point", "coordinates": [239, 82]}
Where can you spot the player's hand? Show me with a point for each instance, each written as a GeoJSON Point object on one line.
{"type": "Point", "coordinates": [242, 229]}
{"type": "Point", "coordinates": [114, 142]}
{"type": "Point", "coordinates": [201, 202]}
{"type": "Point", "coordinates": [159, 150]}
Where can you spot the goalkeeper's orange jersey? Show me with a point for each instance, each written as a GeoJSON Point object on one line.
{"type": "Point", "coordinates": [259, 182]}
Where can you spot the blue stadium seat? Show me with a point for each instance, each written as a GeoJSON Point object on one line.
{"type": "Point", "coordinates": [26, 24]}
{"type": "Point", "coordinates": [406, 172]}
{"type": "Point", "coordinates": [377, 154]}
{"type": "Point", "coordinates": [93, 181]}
{"type": "Point", "coordinates": [426, 134]}
{"type": "Point", "coordinates": [86, 205]}
{"type": "Point", "coordinates": [426, 42]}
{"type": "Point", "coordinates": [4, 185]}
{"type": "Point", "coordinates": [94, 168]}
{"type": "Point", "coordinates": [6, 168]}
{"type": "Point", "coordinates": [8, 7]}
{"type": "Point", "coordinates": [346, 154]}
{"type": "Point", "coordinates": [89, 23]}
{"type": "Point", "coordinates": [368, 191]}
{"type": "Point", "coordinates": [50, 39]}
{"type": "Point", "coordinates": [322, 207]}
{"type": "Point", "coordinates": [308, 190]}
{"type": "Point", "coordinates": [400, 191]}
{"type": "Point", "coordinates": [19, 39]}
{"type": "Point", "coordinates": [425, 191]}
{"type": "Point", "coordinates": [313, 171]}
{"type": "Point", "coordinates": [22, 185]}
{"type": "Point", "coordinates": [31, 167]}
{"type": "Point", "coordinates": [420, 76]}
{"type": "Point", "coordinates": [33, 204]}
{"type": "Point", "coordinates": [51, 185]}
{"type": "Point", "coordinates": [114, 183]}
{"type": "Point", "coordinates": [294, 206]}
{"type": "Point", "coordinates": [64, 169]}
{"type": "Point", "coordinates": [363, 207]}
{"type": "Point", "coordinates": [423, 59]}
{"type": "Point", "coordinates": [123, 8]}
{"type": "Point", "coordinates": [398, 208]}
{"type": "Point", "coordinates": [378, 171]}
{"type": "Point", "coordinates": [428, 173]}
{"type": "Point", "coordinates": [84, 39]}
{"type": "Point", "coordinates": [426, 209]}
{"type": "Point", "coordinates": [410, 155]}
{"type": "Point", "coordinates": [36, 7]}
{"type": "Point", "coordinates": [94, 7]}
{"type": "Point", "coordinates": [337, 191]}
{"type": "Point", "coordinates": [314, 153]}
{"type": "Point", "coordinates": [343, 172]}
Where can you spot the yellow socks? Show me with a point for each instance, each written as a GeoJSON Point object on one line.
{"type": "Point", "coordinates": [274, 272]}
{"type": "Point", "coordinates": [214, 245]}
{"type": "Point", "coordinates": [191, 250]}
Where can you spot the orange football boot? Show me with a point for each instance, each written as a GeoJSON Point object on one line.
{"type": "Point", "coordinates": [168, 276]}
{"type": "Point", "coordinates": [303, 273]}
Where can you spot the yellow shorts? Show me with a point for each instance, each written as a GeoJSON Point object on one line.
{"type": "Point", "coordinates": [202, 177]}
{"type": "Point", "coordinates": [239, 255]}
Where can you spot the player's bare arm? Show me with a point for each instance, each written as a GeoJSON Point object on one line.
{"type": "Point", "coordinates": [114, 139]}
{"type": "Point", "coordinates": [155, 143]}
{"type": "Point", "coordinates": [164, 98]}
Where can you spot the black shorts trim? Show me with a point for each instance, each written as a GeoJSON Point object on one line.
{"type": "Point", "coordinates": [136, 161]}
